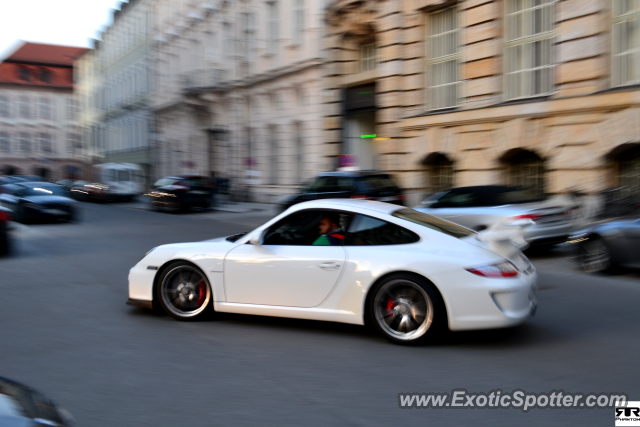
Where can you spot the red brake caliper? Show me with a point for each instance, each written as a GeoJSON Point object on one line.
{"type": "Point", "coordinates": [390, 304]}
{"type": "Point", "coordinates": [202, 294]}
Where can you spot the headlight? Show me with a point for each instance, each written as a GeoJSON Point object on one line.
{"type": "Point", "coordinates": [145, 255]}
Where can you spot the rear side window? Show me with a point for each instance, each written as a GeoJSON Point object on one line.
{"type": "Point", "coordinates": [458, 199]}
{"type": "Point", "coordinates": [124, 175]}
{"type": "Point", "coordinates": [367, 231]}
{"type": "Point", "coordinates": [378, 181]}
{"type": "Point", "coordinates": [165, 181]}
{"type": "Point", "coordinates": [433, 223]}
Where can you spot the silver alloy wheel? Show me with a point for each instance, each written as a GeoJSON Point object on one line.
{"type": "Point", "coordinates": [185, 291]}
{"type": "Point", "coordinates": [403, 309]}
{"type": "Point", "coordinates": [594, 256]}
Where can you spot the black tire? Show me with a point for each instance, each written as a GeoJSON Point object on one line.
{"type": "Point", "coordinates": [594, 256]}
{"type": "Point", "coordinates": [5, 244]}
{"type": "Point", "coordinates": [409, 300]}
{"type": "Point", "coordinates": [179, 284]}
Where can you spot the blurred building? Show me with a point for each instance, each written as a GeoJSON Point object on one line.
{"type": "Point", "coordinates": [541, 94]}
{"type": "Point", "coordinates": [238, 91]}
{"type": "Point", "coordinates": [39, 130]}
{"type": "Point", "coordinates": [116, 89]}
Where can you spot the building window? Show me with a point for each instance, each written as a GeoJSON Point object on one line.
{"type": "Point", "coordinates": [228, 45]}
{"type": "Point", "coordinates": [298, 21]}
{"type": "Point", "coordinates": [73, 143]}
{"type": "Point", "coordinates": [72, 109]}
{"type": "Point", "coordinates": [5, 107]}
{"type": "Point", "coordinates": [626, 42]}
{"type": "Point", "coordinates": [45, 142]}
{"type": "Point", "coordinates": [5, 142]}
{"type": "Point", "coordinates": [528, 49]}
{"type": "Point", "coordinates": [44, 108]}
{"type": "Point", "coordinates": [525, 169]}
{"type": "Point", "coordinates": [24, 142]}
{"type": "Point", "coordinates": [444, 57]}
{"type": "Point", "coordinates": [24, 74]}
{"type": "Point", "coordinates": [367, 57]}
{"type": "Point", "coordinates": [274, 25]}
{"type": "Point", "coordinates": [439, 172]}
{"type": "Point", "coordinates": [25, 107]}
{"type": "Point", "coordinates": [45, 76]}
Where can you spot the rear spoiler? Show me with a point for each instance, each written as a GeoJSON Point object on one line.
{"type": "Point", "coordinates": [506, 232]}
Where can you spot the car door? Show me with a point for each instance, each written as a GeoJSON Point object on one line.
{"type": "Point", "coordinates": [286, 269]}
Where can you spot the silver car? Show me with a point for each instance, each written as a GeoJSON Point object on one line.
{"type": "Point", "coordinates": [482, 207]}
{"type": "Point", "coordinates": [606, 246]}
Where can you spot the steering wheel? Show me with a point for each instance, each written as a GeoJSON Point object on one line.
{"type": "Point", "coordinates": [287, 236]}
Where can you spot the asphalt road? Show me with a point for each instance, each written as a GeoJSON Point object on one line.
{"type": "Point", "coordinates": [65, 330]}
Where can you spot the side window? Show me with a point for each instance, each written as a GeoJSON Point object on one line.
{"type": "Point", "coordinates": [457, 199]}
{"type": "Point", "coordinates": [304, 228]}
{"type": "Point", "coordinates": [367, 231]}
{"type": "Point", "coordinates": [345, 184]}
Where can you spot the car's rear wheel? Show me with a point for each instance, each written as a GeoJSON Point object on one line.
{"type": "Point", "coordinates": [595, 256]}
{"type": "Point", "coordinates": [407, 309]}
{"type": "Point", "coordinates": [184, 292]}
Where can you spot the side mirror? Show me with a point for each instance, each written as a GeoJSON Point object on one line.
{"type": "Point", "coordinates": [258, 238]}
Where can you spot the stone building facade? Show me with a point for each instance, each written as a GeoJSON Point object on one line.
{"type": "Point", "coordinates": [118, 86]}
{"type": "Point", "coordinates": [238, 91]}
{"type": "Point", "coordinates": [39, 129]}
{"type": "Point", "coordinates": [535, 93]}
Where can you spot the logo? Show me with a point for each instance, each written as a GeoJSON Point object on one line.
{"type": "Point", "coordinates": [628, 415]}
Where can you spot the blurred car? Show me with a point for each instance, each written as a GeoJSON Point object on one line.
{"type": "Point", "coordinates": [182, 192]}
{"type": "Point", "coordinates": [385, 264]}
{"type": "Point", "coordinates": [481, 207]}
{"type": "Point", "coordinates": [90, 192]}
{"type": "Point", "coordinates": [5, 237]}
{"type": "Point", "coordinates": [9, 179]}
{"type": "Point", "coordinates": [22, 406]}
{"type": "Point", "coordinates": [36, 201]}
{"type": "Point", "coordinates": [606, 246]}
{"type": "Point", "coordinates": [365, 185]}
{"type": "Point", "coordinates": [32, 178]}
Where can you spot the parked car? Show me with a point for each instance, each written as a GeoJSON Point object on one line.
{"type": "Point", "coordinates": [5, 237]}
{"type": "Point", "coordinates": [9, 179]}
{"type": "Point", "coordinates": [37, 201]}
{"type": "Point", "coordinates": [481, 207]}
{"type": "Point", "coordinates": [182, 192]}
{"type": "Point", "coordinates": [22, 406]}
{"type": "Point", "coordinates": [118, 181]}
{"type": "Point", "coordinates": [607, 246]}
{"type": "Point", "coordinates": [409, 274]}
{"type": "Point", "coordinates": [365, 185]}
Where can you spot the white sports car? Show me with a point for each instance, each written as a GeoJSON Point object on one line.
{"type": "Point", "coordinates": [409, 274]}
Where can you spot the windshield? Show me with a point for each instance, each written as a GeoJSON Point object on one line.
{"type": "Point", "coordinates": [433, 223]}
{"type": "Point", "coordinates": [163, 182]}
{"type": "Point", "coordinates": [45, 190]}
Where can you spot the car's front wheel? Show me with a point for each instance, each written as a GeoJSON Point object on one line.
{"type": "Point", "coordinates": [184, 292]}
{"type": "Point", "coordinates": [407, 309]}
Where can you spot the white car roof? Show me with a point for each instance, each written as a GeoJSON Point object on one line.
{"type": "Point", "coordinates": [348, 204]}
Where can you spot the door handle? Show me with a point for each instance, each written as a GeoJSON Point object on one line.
{"type": "Point", "coordinates": [329, 265]}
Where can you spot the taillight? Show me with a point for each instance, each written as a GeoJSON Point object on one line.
{"type": "Point", "coordinates": [4, 215]}
{"type": "Point", "coordinates": [503, 269]}
{"type": "Point", "coordinates": [402, 197]}
{"type": "Point", "coordinates": [532, 217]}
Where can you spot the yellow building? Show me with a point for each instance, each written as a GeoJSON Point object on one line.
{"type": "Point", "coordinates": [536, 93]}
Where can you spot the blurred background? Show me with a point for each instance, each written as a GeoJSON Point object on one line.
{"type": "Point", "coordinates": [477, 111]}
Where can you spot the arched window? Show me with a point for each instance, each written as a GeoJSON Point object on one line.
{"type": "Point", "coordinates": [525, 169]}
{"type": "Point", "coordinates": [439, 172]}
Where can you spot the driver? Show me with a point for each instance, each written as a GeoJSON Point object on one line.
{"type": "Point", "coordinates": [330, 232]}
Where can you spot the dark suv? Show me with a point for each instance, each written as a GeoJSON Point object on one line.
{"type": "Point", "coordinates": [367, 185]}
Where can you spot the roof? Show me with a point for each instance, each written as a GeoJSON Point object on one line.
{"type": "Point", "coordinates": [47, 54]}
{"type": "Point", "coordinates": [381, 207]}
